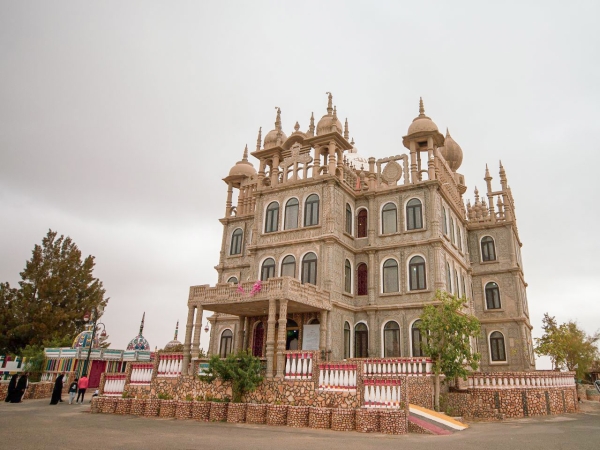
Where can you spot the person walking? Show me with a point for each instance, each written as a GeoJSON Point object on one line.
{"type": "Point", "coordinates": [22, 386]}
{"type": "Point", "coordinates": [82, 385]}
{"type": "Point", "coordinates": [57, 391]}
{"type": "Point", "coordinates": [12, 386]}
{"type": "Point", "coordinates": [73, 390]}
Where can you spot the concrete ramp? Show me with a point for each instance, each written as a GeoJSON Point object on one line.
{"type": "Point", "coordinates": [427, 421]}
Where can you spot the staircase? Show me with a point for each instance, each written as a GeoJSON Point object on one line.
{"type": "Point", "coordinates": [426, 421]}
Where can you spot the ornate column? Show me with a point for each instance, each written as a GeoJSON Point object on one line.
{"type": "Point", "coordinates": [323, 334]}
{"type": "Point", "coordinates": [197, 332]}
{"type": "Point", "coordinates": [281, 338]}
{"type": "Point", "coordinates": [188, 339]}
{"type": "Point", "coordinates": [372, 276]}
{"type": "Point", "coordinates": [275, 170]}
{"type": "Point", "coordinates": [414, 174]}
{"type": "Point", "coordinates": [331, 166]}
{"type": "Point", "coordinates": [229, 196]}
{"type": "Point", "coordinates": [239, 345]}
{"type": "Point", "coordinates": [271, 336]}
{"type": "Point", "coordinates": [373, 220]}
{"type": "Point", "coordinates": [245, 340]}
{"type": "Point", "coordinates": [373, 334]}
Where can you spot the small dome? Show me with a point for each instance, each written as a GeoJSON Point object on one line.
{"type": "Point", "coordinates": [243, 167]}
{"type": "Point", "coordinates": [327, 123]}
{"type": "Point", "coordinates": [83, 340]}
{"type": "Point", "coordinates": [138, 343]}
{"type": "Point", "coordinates": [272, 137]}
{"type": "Point", "coordinates": [172, 344]}
{"type": "Point", "coordinates": [422, 123]}
{"type": "Point", "coordinates": [357, 160]}
{"type": "Point", "coordinates": [452, 152]}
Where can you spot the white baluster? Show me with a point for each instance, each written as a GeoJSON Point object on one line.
{"type": "Point", "coordinates": [287, 365]}
{"type": "Point", "coordinates": [388, 396]}
{"type": "Point", "coordinates": [310, 366]}
{"type": "Point", "coordinates": [367, 395]}
{"type": "Point", "coordinates": [326, 379]}
{"type": "Point", "coordinates": [304, 368]}
{"type": "Point", "coordinates": [321, 377]}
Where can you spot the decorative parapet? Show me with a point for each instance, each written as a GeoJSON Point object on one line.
{"type": "Point", "coordinates": [521, 380]}
{"type": "Point", "coordinates": [114, 384]}
{"type": "Point", "coordinates": [299, 364]}
{"type": "Point", "coordinates": [141, 374]}
{"type": "Point", "coordinates": [169, 365]}
{"type": "Point", "coordinates": [382, 394]}
{"type": "Point", "coordinates": [337, 377]}
{"type": "Point", "coordinates": [390, 367]}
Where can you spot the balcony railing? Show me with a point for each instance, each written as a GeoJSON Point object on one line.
{"type": "Point", "coordinates": [524, 380]}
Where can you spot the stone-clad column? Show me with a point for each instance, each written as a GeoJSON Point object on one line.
{"type": "Point", "coordinates": [239, 345]}
{"type": "Point", "coordinates": [188, 340]}
{"type": "Point", "coordinates": [323, 334]}
{"type": "Point", "coordinates": [281, 338]}
{"type": "Point", "coordinates": [245, 340]}
{"type": "Point", "coordinates": [197, 332]}
{"type": "Point", "coordinates": [271, 336]}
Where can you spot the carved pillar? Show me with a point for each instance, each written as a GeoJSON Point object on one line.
{"type": "Point", "coordinates": [245, 340]}
{"type": "Point", "coordinates": [197, 331]}
{"type": "Point", "coordinates": [261, 172]}
{"type": "Point", "coordinates": [430, 165]}
{"type": "Point", "coordinates": [239, 345]}
{"type": "Point", "coordinates": [374, 350]}
{"type": "Point", "coordinates": [331, 167]}
{"type": "Point", "coordinates": [323, 334]}
{"type": "Point", "coordinates": [229, 196]}
{"type": "Point", "coordinates": [372, 274]}
{"type": "Point", "coordinates": [271, 336]}
{"type": "Point", "coordinates": [372, 221]}
{"type": "Point", "coordinates": [317, 161]}
{"type": "Point", "coordinates": [281, 338]}
{"type": "Point", "coordinates": [275, 171]}
{"type": "Point", "coordinates": [414, 175]}
{"type": "Point", "coordinates": [188, 339]}
{"type": "Point", "coordinates": [439, 270]}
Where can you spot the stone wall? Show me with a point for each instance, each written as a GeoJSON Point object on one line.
{"type": "Point", "coordinates": [420, 391]}
{"type": "Point", "coordinates": [34, 391]}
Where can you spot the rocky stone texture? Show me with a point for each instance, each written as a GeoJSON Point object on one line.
{"type": "Point", "coordinates": [151, 407]}
{"type": "Point", "coordinates": [592, 394]}
{"type": "Point", "coordinates": [201, 411]}
{"type": "Point", "coordinates": [123, 406]}
{"type": "Point", "coordinates": [236, 412]}
{"type": "Point", "coordinates": [167, 408]}
{"type": "Point", "coordinates": [319, 418]}
{"type": "Point", "coordinates": [342, 419]}
{"type": "Point", "coordinates": [35, 391]}
{"type": "Point", "coordinates": [256, 413]}
{"type": "Point", "coordinates": [108, 405]}
{"type": "Point", "coordinates": [393, 421]}
{"type": "Point", "coordinates": [367, 420]}
{"type": "Point", "coordinates": [95, 409]}
{"type": "Point", "coordinates": [184, 410]}
{"type": "Point", "coordinates": [297, 416]}
{"type": "Point", "coordinates": [277, 414]}
{"type": "Point", "coordinates": [137, 406]}
{"type": "Point", "coordinates": [420, 390]}
{"type": "Point", "coordinates": [218, 412]}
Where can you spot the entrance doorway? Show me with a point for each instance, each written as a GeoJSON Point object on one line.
{"type": "Point", "coordinates": [258, 340]}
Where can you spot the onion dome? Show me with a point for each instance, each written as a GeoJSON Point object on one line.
{"type": "Point", "coordinates": [84, 339]}
{"type": "Point", "coordinates": [174, 343]}
{"type": "Point", "coordinates": [276, 137]}
{"type": "Point", "coordinates": [329, 122]}
{"type": "Point", "coordinates": [452, 152]}
{"type": "Point", "coordinates": [243, 167]}
{"type": "Point", "coordinates": [422, 123]}
{"type": "Point", "coordinates": [355, 159]}
{"type": "Point", "coordinates": [139, 342]}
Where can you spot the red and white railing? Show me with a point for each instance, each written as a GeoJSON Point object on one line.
{"type": "Point", "coordinates": [298, 365]}
{"type": "Point", "coordinates": [388, 367]}
{"type": "Point", "coordinates": [337, 377]}
{"type": "Point", "coordinates": [170, 365]}
{"type": "Point", "coordinates": [382, 394]}
{"type": "Point", "coordinates": [114, 385]}
{"type": "Point", "coordinates": [141, 374]}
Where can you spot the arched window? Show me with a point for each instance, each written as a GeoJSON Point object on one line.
{"type": "Point", "coordinates": [258, 340]}
{"type": "Point", "coordinates": [361, 341]}
{"type": "Point", "coordinates": [309, 268]}
{"type": "Point", "coordinates": [311, 210]}
{"type": "Point", "coordinates": [448, 278]}
{"type": "Point", "coordinates": [363, 216]}
{"type": "Point", "coordinates": [236, 242]}
{"type": "Point", "coordinates": [362, 280]}
{"type": "Point", "coordinates": [492, 296]}
{"type": "Point", "coordinates": [391, 339]}
{"type": "Point", "coordinates": [456, 287]}
{"type": "Point", "coordinates": [348, 219]}
{"type": "Point", "coordinates": [390, 276]}
{"type": "Point", "coordinates": [291, 214]}
{"type": "Point", "coordinates": [347, 277]}
{"type": "Point", "coordinates": [346, 340]}
{"type": "Point", "coordinates": [389, 219]}
{"type": "Point", "coordinates": [464, 290]}
{"type": "Point", "coordinates": [416, 274]}
{"type": "Point", "coordinates": [497, 346]}
{"type": "Point", "coordinates": [272, 219]}
{"type": "Point", "coordinates": [414, 215]}
{"type": "Point", "coordinates": [268, 269]}
{"type": "Point", "coordinates": [459, 237]}
{"type": "Point", "coordinates": [233, 280]}
{"type": "Point", "coordinates": [488, 251]}
{"type": "Point", "coordinates": [226, 342]}
{"type": "Point", "coordinates": [444, 221]}
{"type": "Point", "coordinates": [288, 266]}
{"type": "Point", "coordinates": [417, 339]}
{"type": "Point", "coordinates": [452, 237]}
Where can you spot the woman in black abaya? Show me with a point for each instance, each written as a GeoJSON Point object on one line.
{"type": "Point", "coordinates": [57, 391]}
{"type": "Point", "coordinates": [22, 385]}
{"type": "Point", "coordinates": [12, 386]}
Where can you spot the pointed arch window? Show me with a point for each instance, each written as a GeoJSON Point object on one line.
{"type": "Point", "coordinates": [416, 274]}
{"type": "Point", "coordinates": [492, 296]}
{"type": "Point", "coordinates": [497, 348]}
{"type": "Point", "coordinates": [309, 268]}
{"type": "Point", "coordinates": [363, 217]}
{"type": "Point", "coordinates": [390, 276]}
{"type": "Point", "coordinates": [389, 219]}
{"type": "Point", "coordinates": [448, 278]}
{"type": "Point", "coordinates": [288, 266]}
{"type": "Point", "coordinates": [391, 339]}
{"type": "Point", "coordinates": [362, 279]}
{"type": "Point", "coordinates": [488, 250]}
{"type": "Point", "coordinates": [226, 343]}
{"type": "Point", "coordinates": [417, 339]}
{"type": "Point", "coordinates": [456, 286]}
{"type": "Point", "coordinates": [414, 214]}
{"type": "Point", "coordinates": [452, 236]}
{"type": "Point", "coordinates": [236, 242]}
{"type": "Point", "coordinates": [444, 221]}
{"type": "Point", "coordinates": [459, 237]}
{"type": "Point", "coordinates": [347, 277]}
{"type": "Point", "coordinates": [272, 218]}
{"type": "Point", "coordinates": [291, 214]}
{"type": "Point", "coordinates": [348, 219]}
{"type": "Point", "coordinates": [311, 210]}
{"type": "Point", "coordinates": [346, 340]}
{"type": "Point", "coordinates": [361, 341]}
{"type": "Point", "coordinates": [268, 269]}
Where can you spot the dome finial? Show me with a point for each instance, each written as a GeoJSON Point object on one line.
{"type": "Point", "coordinates": [447, 132]}
{"type": "Point", "coordinates": [421, 107]}
{"type": "Point", "coordinates": [245, 157]}
{"type": "Point", "coordinates": [259, 140]}
{"type": "Point", "coordinates": [297, 126]}
{"type": "Point", "coordinates": [329, 103]}
{"type": "Point", "coordinates": [142, 324]}
{"type": "Point", "coordinates": [346, 132]}
{"type": "Point", "coordinates": [278, 118]}
{"type": "Point", "coordinates": [311, 126]}
{"type": "Point", "coordinates": [176, 330]}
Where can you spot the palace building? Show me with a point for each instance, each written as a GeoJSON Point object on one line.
{"type": "Point", "coordinates": [325, 249]}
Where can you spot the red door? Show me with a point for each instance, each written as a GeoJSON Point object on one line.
{"type": "Point", "coordinates": [98, 368]}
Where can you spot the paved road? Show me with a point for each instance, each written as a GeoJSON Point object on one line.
{"type": "Point", "coordinates": [34, 424]}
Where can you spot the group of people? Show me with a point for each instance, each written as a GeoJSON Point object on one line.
{"type": "Point", "coordinates": [77, 386]}
{"type": "Point", "coordinates": [17, 388]}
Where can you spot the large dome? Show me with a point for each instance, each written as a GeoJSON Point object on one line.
{"type": "Point", "coordinates": [422, 123]}
{"type": "Point", "coordinates": [329, 123]}
{"type": "Point", "coordinates": [84, 339]}
{"type": "Point", "coordinates": [139, 342]}
{"type": "Point", "coordinates": [452, 152]}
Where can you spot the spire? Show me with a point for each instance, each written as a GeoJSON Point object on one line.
{"type": "Point", "coordinates": [352, 142]}
{"type": "Point", "coordinates": [142, 324]}
{"type": "Point", "coordinates": [329, 103]}
{"type": "Point", "coordinates": [346, 132]}
{"type": "Point", "coordinates": [278, 119]}
{"type": "Point", "coordinates": [487, 173]}
{"type": "Point", "coordinates": [311, 126]}
{"type": "Point", "coordinates": [447, 130]}
{"type": "Point", "coordinates": [245, 157]}
{"type": "Point", "coordinates": [297, 126]}
{"type": "Point", "coordinates": [421, 107]}
{"type": "Point", "coordinates": [503, 180]}
{"type": "Point", "coordinates": [259, 140]}
{"type": "Point", "coordinates": [176, 330]}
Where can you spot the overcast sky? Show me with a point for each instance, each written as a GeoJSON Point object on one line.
{"type": "Point", "coordinates": [118, 121]}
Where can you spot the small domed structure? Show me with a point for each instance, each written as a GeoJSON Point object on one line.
{"type": "Point", "coordinates": [422, 123]}
{"type": "Point", "coordinates": [243, 167]}
{"type": "Point", "coordinates": [84, 339]}
{"type": "Point", "coordinates": [174, 343]}
{"type": "Point", "coordinates": [139, 342]}
{"type": "Point", "coordinates": [275, 137]}
{"type": "Point", "coordinates": [452, 152]}
{"type": "Point", "coordinates": [329, 122]}
{"type": "Point", "coordinates": [357, 160]}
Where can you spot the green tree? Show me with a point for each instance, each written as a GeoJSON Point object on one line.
{"type": "Point", "coordinates": [8, 296]}
{"type": "Point", "coordinates": [242, 369]}
{"type": "Point", "coordinates": [448, 330]}
{"type": "Point", "coordinates": [568, 346]}
{"type": "Point", "coordinates": [56, 289]}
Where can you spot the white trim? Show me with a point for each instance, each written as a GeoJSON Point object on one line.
{"type": "Point", "coordinates": [381, 281]}
{"type": "Point", "coordinates": [351, 277]}
{"type": "Point", "coordinates": [221, 338]}
{"type": "Point", "coordinates": [351, 355]}
{"type": "Point", "coordinates": [301, 259]}
{"type": "Point", "coordinates": [260, 264]}
{"type": "Point", "coordinates": [304, 209]}
{"type": "Point", "coordinates": [264, 224]}
{"type": "Point", "coordinates": [489, 344]}
{"type": "Point", "coordinates": [353, 335]}
{"type": "Point", "coordinates": [281, 263]}
{"type": "Point", "coordinates": [358, 209]}
{"type": "Point", "coordinates": [283, 213]}
{"type": "Point", "coordinates": [481, 251]}
{"type": "Point", "coordinates": [233, 276]}
{"type": "Point", "coordinates": [231, 242]}
{"type": "Point", "coordinates": [484, 285]}
{"type": "Point", "coordinates": [410, 341]}
{"type": "Point", "coordinates": [427, 278]}
{"type": "Point", "coordinates": [351, 233]}
{"type": "Point", "coordinates": [423, 223]}
{"type": "Point", "coordinates": [383, 338]}
{"type": "Point", "coordinates": [380, 218]}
